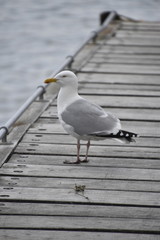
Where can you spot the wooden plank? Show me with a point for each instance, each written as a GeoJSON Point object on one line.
{"type": "Point", "coordinates": [108, 48]}
{"type": "Point", "coordinates": [127, 59]}
{"type": "Point", "coordinates": [67, 139]}
{"type": "Point", "coordinates": [135, 41]}
{"type": "Point", "coordinates": [148, 24]}
{"type": "Point", "coordinates": [119, 90]}
{"type": "Point", "coordinates": [119, 78]}
{"type": "Point", "coordinates": [69, 183]}
{"type": "Point", "coordinates": [150, 58]}
{"type": "Point", "coordinates": [72, 171]}
{"type": "Point", "coordinates": [77, 235]}
{"type": "Point", "coordinates": [147, 31]}
{"type": "Point", "coordinates": [137, 34]}
{"type": "Point", "coordinates": [96, 161]}
{"type": "Point", "coordinates": [144, 129]}
{"type": "Point", "coordinates": [107, 86]}
{"type": "Point", "coordinates": [125, 101]}
{"type": "Point", "coordinates": [89, 196]}
{"type": "Point", "coordinates": [99, 151]}
{"type": "Point", "coordinates": [54, 209]}
{"type": "Point", "coordinates": [121, 113]}
{"type": "Point", "coordinates": [78, 223]}
{"type": "Point", "coordinates": [121, 68]}
{"type": "Point", "coordinates": [142, 28]}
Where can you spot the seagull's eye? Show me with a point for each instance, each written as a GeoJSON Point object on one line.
{"type": "Point", "coordinates": [64, 76]}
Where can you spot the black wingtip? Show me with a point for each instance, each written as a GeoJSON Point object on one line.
{"type": "Point", "coordinates": [127, 134]}
{"type": "Point", "coordinates": [122, 134]}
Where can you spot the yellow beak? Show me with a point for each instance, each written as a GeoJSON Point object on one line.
{"type": "Point", "coordinates": [49, 80]}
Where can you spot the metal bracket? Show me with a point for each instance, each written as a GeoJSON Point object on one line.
{"type": "Point", "coordinates": [4, 138]}
{"type": "Point", "coordinates": [41, 96]}
{"type": "Point", "coordinates": [71, 61]}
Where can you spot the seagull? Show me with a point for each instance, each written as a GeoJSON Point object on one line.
{"type": "Point", "coordinates": [83, 119]}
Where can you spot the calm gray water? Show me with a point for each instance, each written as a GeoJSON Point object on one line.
{"type": "Point", "coordinates": [36, 36]}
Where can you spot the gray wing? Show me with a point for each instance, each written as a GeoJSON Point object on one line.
{"type": "Point", "coordinates": [88, 119]}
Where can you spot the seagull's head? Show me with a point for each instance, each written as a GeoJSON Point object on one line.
{"type": "Point", "coordinates": [64, 78]}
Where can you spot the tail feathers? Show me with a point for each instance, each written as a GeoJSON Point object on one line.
{"type": "Point", "coordinates": [125, 136]}
{"type": "Point", "coordinates": [122, 136]}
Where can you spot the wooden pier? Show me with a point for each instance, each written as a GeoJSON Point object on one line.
{"type": "Point", "coordinates": [116, 196]}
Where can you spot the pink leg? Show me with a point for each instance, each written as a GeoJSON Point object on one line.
{"type": "Point", "coordinates": [78, 151]}
{"type": "Point", "coordinates": [78, 155]}
{"type": "Point", "coordinates": [88, 145]}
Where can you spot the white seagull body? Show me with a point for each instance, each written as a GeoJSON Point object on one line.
{"type": "Point", "coordinates": [83, 119]}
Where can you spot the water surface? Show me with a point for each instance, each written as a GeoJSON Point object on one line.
{"type": "Point", "coordinates": [36, 36]}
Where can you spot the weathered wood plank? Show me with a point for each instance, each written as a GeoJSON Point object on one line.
{"type": "Point", "coordinates": [81, 172]}
{"type": "Point", "coordinates": [121, 68]}
{"type": "Point", "coordinates": [108, 48]}
{"type": "Point", "coordinates": [150, 28]}
{"type": "Point", "coordinates": [125, 101]}
{"type": "Point", "coordinates": [135, 41]}
{"type": "Point", "coordinates": [147, 24]}
{"type": "Point", "coordinates": [120, 86]}
{"type": "Point", "coordinates": [67, 139]}
{"type": "Point", "coordinates": [96, 161]}
{"type": "Point", "coordinates": [78, 223]}
{"type": "Point", "coordinates": [119, 90]}
{"type": "Point", "coordinates": [137, 34]}
{"type": "Point", "coordinates": [147, 33]}
{"type": "Point", "coordinates": [78, 235]}
{"type": "Point", "coordinates": [140, 57]}
{"type": "Point", "coordinates": [122, 113]}
{"type": "Point", "coordinates": [122, 102]}
{"type": "Point", "coordinates": [66, 183]}
{"type": "Point", "coordinates": [53, 209]}
{"type": "Point", "coordinates": [99, 151]}
{"type": "Point", "coordinates": [145, 129]}
{"type": "Point", "coordinates": [95, 77]}
{"type": "Point", "coordinates": [126, 59]}
{"type": "Point", "coordinates": [89, 196]}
